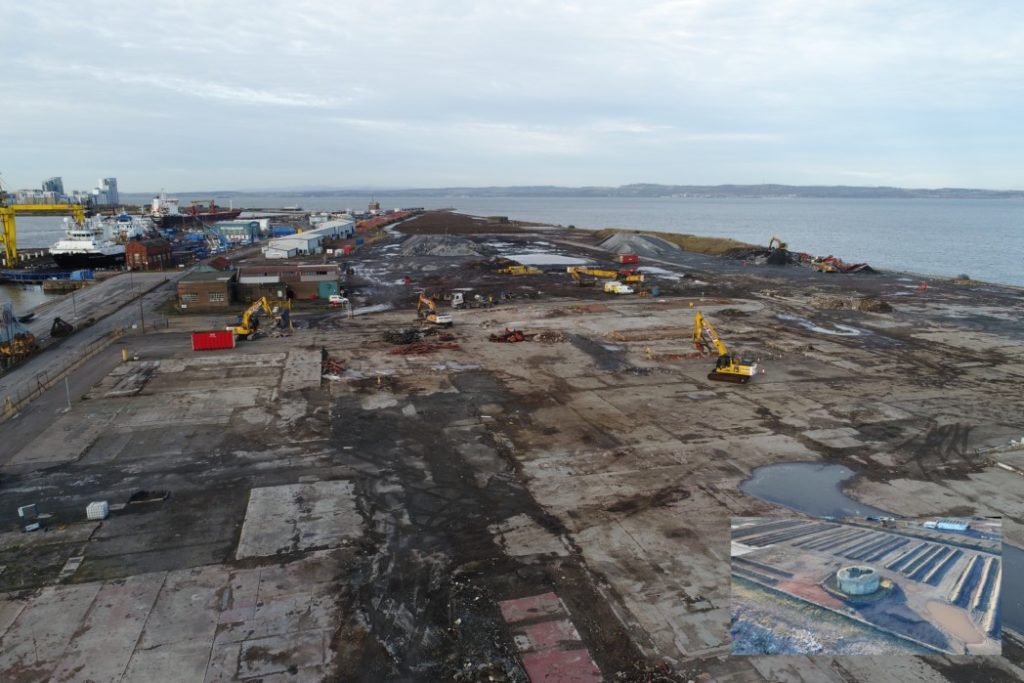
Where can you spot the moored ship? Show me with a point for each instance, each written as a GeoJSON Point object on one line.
{"type": "Point", "coordinates": [166, 213]}
{"type": "Point", "coordinates": [86, 246]}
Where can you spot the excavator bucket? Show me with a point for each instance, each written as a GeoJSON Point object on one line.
{"type": "Point", "coordinates": [60, 328]}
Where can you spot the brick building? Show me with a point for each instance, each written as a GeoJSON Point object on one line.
{"type": "Point", "coordinates": [206, 288]}
{"type": "Point", "coordinates": [282, 279]}
{"type": "Point", "coordinates": [149, 254]}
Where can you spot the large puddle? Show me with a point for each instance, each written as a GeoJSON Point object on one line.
{"type": "Point", "coordinates": [814, 489]}
{"type": "Point", "coordinates": [807, 487]}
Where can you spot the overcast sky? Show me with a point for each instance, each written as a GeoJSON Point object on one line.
{"type": "Point", "coordinates": [246, 94]}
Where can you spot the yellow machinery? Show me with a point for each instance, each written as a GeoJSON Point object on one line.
{"type": "Point", "coordinates": [581, 273]}
{"type": "Point", "coordinates": [16, 342]}
{"type": "Point", "coordinates": [431, 314]}
{"type": "Point", "coordinates": [249, 325]}
{"type": "Point", "coordinates": [728, 368]}
{"type": "Point", "coordinates": [776, 243]}
{"type": "Point", "coordinates": [519, 269]}
{"type": "Point", "coordinates": [9, 234]}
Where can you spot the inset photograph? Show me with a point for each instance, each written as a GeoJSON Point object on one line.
{"type": "Point", "coordinates": [866, 585]}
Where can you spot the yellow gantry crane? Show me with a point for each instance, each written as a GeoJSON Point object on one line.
{"type": "Point", "coordinates": [9, 234]}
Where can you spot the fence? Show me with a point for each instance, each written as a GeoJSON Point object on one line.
{"type": "Point", "coordinates": [29, 391]}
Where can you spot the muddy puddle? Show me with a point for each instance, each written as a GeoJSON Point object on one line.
{"type": "Point", "coordinates": [807, 487]}
{"type": "Point", "coordinates": [955, 621]}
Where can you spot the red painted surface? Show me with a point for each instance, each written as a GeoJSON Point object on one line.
{"type": "Point", "coordinates": [548, 635]}
{"type": "Point", "coordinates": [561, 666]}
{"type": "Point", "coordinates": [208, 341]}
{"type": "Point", "coordinates": [629, 258]}
{"type": "Point", "coordinates": [521, 609]}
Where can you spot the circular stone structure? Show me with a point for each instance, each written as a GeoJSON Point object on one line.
{"type": "Point", "coordinates": [857, 580]}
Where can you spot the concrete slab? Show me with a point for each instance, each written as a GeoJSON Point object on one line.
{"type": "Point", "coordinates": [561, 666]}
{"type": "Point", "coordinates": [283, 519]}
{"type": "Point", "coordinates": [532, 607]}
{"type": "Point", "coordinates": [301, 369]}
{"type": "Point", "coordinates": [105, 639]}
{"type": "Point", "coordinates": [520, 536]}
{"type": "Point", "coordinates": [181, 662]}
{"type": "Point", "coordinates": [276, 654]}
{"type": "Point", "coordinates": [43, 629]}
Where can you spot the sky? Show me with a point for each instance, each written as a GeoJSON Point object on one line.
{"type": "Point", "coordinates": [249, 94]}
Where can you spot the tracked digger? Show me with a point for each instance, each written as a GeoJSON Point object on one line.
{"type": "Point", "coordinates": [249, 324]}
{"type": "Point", "coordinates": [728, 368]}
{"type": "Point", "coordinates": [426, 308]}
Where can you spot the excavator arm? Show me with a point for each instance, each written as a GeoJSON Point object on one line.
{"type": "Point", "coordinates": [702, 327]}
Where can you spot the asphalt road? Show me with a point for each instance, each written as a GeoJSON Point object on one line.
{"type": "Point", "coordinates": [117, 299]}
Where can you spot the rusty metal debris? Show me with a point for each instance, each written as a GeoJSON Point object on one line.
{"type": "Point", "coordinates": [421, 347]}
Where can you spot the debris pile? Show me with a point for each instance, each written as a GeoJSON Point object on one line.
{"type": "Point", "coordinates": [655, 356]}
{"type": "Point", "coordinates": [873, 305]}
{"type": "Point", "coordinates": [438, 245]}
{"type": "Point", "coordinates": [421, 347]}
{"type": "Point", "coordinates": [549, 337]}
{"type": "Point", "coordinates": [511, 336]}
{"type": "Point", "coordinates": [332, 366]}
{"type": "Point", "coordinates": [779, 256]}
{"type": "Point", "coordinates": [866, 304]}
{"type": "Point", "coordinates": [406, 336]}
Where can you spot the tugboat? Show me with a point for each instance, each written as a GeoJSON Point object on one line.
{"type": "Point", "coordinates": [86, 246]}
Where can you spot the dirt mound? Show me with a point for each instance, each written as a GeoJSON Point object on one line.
{"type": "Point", "coordinates": [867, 304]}
{"type": "Point", "coordinates": [439, 245]}
{"type": "Point", "coordinates": [872, 305]}
{"type": "Point", "coordinates": [641, 245]}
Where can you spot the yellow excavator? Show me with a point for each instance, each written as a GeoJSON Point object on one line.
{"type": "Point", "coordinates": [249, 325]}
{"type": "Point", "coordinates": [727, 368]}
{"type": "Point", "coordinates": [426, 308]}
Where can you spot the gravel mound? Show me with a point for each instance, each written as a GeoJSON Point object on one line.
{"type": "Point", "coordinates": [438, 245]}
{"type": "Point", "coordinates": [641, 245]}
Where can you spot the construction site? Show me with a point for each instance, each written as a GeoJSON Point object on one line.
{"type": "Point", "coordinates": [503, 452]}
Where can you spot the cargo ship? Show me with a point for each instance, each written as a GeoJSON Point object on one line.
{"type": "Point", "coordinates": [166, 213]}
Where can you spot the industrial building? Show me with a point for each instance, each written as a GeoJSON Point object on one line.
{"type": "Point", "coordinates": [148, 254]}
{"type": "Point", "coordinates": [281, 280]}
{"type": "Point", "coordinates": [308, 242]}
{"type": "Point", "coordinates": [206, 287]}
{"type": "Point", "coordinates": [948, 524]}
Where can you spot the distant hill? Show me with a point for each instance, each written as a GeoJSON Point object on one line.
{"type": "Point", "coordinates": [649, 190]}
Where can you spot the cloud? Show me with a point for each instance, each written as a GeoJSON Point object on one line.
{"type": "Point", "coordinates": [607, 90]}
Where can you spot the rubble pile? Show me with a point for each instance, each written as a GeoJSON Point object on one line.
{"type": "Point", "coordinates": [785, 257]}
{"type": "Point", "coordinates": [549, 337]}
{"type": "Point", "coordinates": [406, 336]}
{"type": "Point", "coordinates": [438, 245]}
{"type": "Point", "coordinates": [866, 304]}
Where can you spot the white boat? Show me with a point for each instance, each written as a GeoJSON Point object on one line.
{"type": "Point", "coordinates": [87, 246]}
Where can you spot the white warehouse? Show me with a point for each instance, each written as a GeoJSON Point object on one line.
{"type": "Point", "coordinates": [308, 242]}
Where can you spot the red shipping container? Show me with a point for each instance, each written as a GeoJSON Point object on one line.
{"type": "Point", "coordinates": [629, 258]}
{"type": "Point", "coordinates": [209, 341]}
